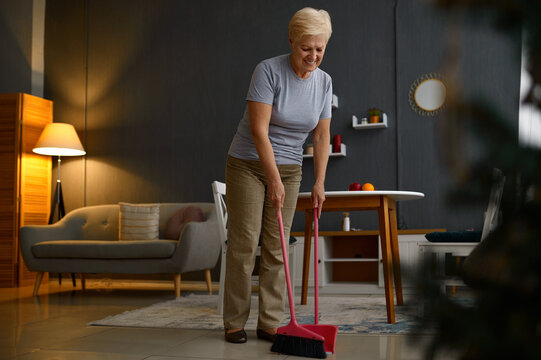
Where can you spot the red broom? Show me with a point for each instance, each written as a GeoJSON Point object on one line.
{"type": "Point", "coordinates": [293, 339]}
{"type": "Point", "coordinates": [327, 331]}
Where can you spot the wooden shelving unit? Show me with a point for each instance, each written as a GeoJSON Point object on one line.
{"type": "Point", "coordinates": [350, 261]}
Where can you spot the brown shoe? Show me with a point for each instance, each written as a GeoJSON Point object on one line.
{"type": "Point", "coordinates": [237, 337]}
{"type": "Point", "coordinates": [263, 335]}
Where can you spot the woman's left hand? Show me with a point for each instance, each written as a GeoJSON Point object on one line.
{"type": "Point", "coordinates": [318, 198]}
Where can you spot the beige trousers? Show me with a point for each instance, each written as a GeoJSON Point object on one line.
{"type": "Point", "coordinates": [250, 213]}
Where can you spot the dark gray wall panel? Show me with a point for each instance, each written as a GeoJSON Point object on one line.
{"type": "Point", "coordinates": [488, 66]}
{"type": "Point", "coordinates": [166, 88]}
{"type": "Point", "coordinates": [16, 46]}
{"type": "Point", "coordinates": [420, 43]}
{"type": "Point", "coordinates": [167, 81]}
{"type": "Point", "coordinates": [65, 79]}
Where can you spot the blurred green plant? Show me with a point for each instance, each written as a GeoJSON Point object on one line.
{"type": "Point", "coordinates": [374, 112]}
{"type": "Point", "coordinates": [501, 319]}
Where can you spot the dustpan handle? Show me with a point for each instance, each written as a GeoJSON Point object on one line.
{"type": "Point", "coordinates": [316, 282]}
{"type": "Point", "coordinates": [286, 267]}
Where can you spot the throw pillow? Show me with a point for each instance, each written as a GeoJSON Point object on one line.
{"type": "Point", "coordinates": [177, 221]}
{"type": "Point", "coordinates": [139, 221]}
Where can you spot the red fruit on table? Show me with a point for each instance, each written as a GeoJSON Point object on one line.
{"type": "Point", "coordinates": [355, 187]}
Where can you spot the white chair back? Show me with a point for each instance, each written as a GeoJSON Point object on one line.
{"type": "Point", "coordinates": [492, 217]}
{"type": "Point", "coordinates": [218, 190]}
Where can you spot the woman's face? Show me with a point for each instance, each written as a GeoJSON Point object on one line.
{"type": "Point", "coordinates": [307, 54]}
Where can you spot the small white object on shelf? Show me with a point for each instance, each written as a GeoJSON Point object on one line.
{"type": "Point", "coordinates": [358, 126]}
{"type": "Point", "coordinates": [342, 152]}
{"type": "Point", "coordinates": [334, 102]}
{"type": "Point", "coordinates": [345, 222]}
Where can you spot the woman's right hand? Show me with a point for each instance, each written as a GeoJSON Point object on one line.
{"type": "Point", "coordinates": [276, 193]}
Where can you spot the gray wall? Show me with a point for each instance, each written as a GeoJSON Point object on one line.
{"type": "Point", "coordinates": [156, 90]}
{"type": "Point", "coordinates": [15, 46]}
{"type": "Point", "coordinates": [487, 66]}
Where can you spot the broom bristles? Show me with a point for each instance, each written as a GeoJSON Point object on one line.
{"type": "Point", "coordinates": [299, 346]}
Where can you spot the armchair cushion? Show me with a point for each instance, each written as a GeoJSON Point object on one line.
{"type": "Point", "coordinates": [139, 221]}
{"type": "Point", "coordinates": [175, 224]}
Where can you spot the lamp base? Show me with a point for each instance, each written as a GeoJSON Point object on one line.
{"type": "Point", "coordinates": [58, 199]}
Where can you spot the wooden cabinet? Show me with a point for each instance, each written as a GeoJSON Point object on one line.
{"type": "Point", "coordinates": [347, 258]}
{"type": "Point", "coordinates": [350, 262]}
{"type": "Point", "coordinates": [25, 179]}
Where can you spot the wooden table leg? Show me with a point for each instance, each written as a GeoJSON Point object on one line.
{"type": "Point", "coordinates": [385, 236]}
{"type": "Point", "coordinates": [306, 255]}
{"type": "Point", "coordinates": [395, 253]}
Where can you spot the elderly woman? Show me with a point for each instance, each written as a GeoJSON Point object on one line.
{"type": "Point", "coordinates": [289, 96]}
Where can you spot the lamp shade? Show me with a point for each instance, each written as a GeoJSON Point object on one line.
{"type": "Point", "coordinates": [59, 139]}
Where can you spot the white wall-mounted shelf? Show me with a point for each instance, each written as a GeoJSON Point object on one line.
{"type": "Point", "coordinates": [342, 152]}
{"type": "Point", "coordinates": [358, 126]}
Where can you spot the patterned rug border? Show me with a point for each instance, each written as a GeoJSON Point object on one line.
{"type": "Point", "coordinates": [352, 315]}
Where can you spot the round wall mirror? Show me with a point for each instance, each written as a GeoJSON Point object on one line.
{"type": "Point", "coordinates": [427, 94]}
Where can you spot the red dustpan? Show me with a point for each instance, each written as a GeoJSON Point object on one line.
{"type": "Point", "coordinates": [294, 339]}
{"type": "Point", "coordinates": [327, 331]}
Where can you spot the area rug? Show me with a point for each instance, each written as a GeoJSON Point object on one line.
{"type": "Point", "coordinates": [352, 315]}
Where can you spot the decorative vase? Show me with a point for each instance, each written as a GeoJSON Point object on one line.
{"type": "Point", "coordinates": [336, 143]}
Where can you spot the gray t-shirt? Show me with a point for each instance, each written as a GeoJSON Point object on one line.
{"type": "Point", "coordinates": [297, 106]}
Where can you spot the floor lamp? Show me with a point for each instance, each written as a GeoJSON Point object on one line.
{"type": "Point", "coordinates": [59, 139]}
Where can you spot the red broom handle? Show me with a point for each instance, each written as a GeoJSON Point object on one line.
{"type": "Point", "coordinates": [286, 266]}
{"type": "Point", "coordinates": [316, 283]}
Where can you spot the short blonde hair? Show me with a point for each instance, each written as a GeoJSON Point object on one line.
{"type": "Point", "coordinates": [309, 21]}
